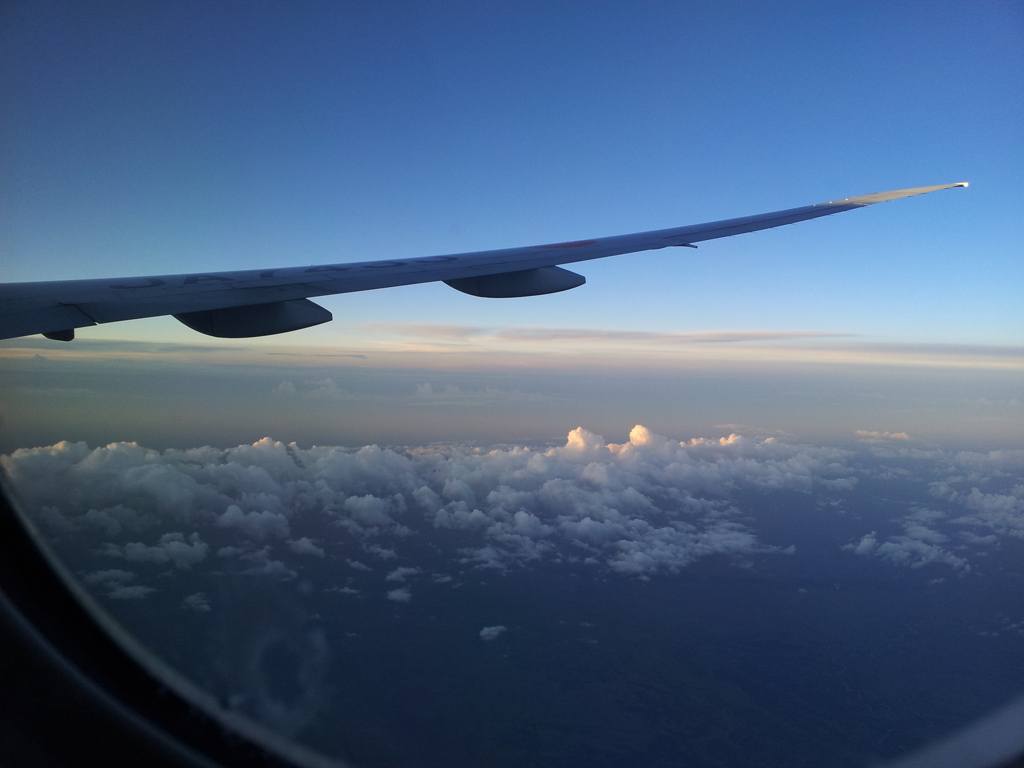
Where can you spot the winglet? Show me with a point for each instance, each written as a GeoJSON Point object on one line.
{"type": "Point", "coordinates": [884, 197]}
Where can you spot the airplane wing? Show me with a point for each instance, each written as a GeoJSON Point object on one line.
{"type": "Point", "coordinates": [263, 302]}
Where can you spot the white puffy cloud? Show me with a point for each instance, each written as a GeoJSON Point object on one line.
{"type": "Point", "coordinates": [285, 389]}
{"type": "Point", "coordinates": [638, 507]}
{"type": "Point", "coordinates": [400, 574]}
{"type": "Point", "coordinates": [928, 533]}
{"type": "Point", "coordinates": [116, 581]}
{"type": "Point", "coordinates": [999, 512]}
{"type": "Point", "coordinates": [123, 486]}
{"type": "Point", "coordinates": [866, 546]}
{"type": "Point", "coordinates": [988, 487]}
{"type": "Point", "coordinates": [256, 525]}
{"type": "Point", "coordinates": [491, 633]}
{"type": "Point", "coordinates": [981, 491]}
{"type": "Point", "coordinates": [171, 548]}
{"type": "Point", "coordinates": [649, 504]}
{"type": "Point", "coordinates": [918, 547]}
{"type": "Point", "coordinates": [305, 546]}
{"type": "Point", "coordinates": [343, 590]}
{"type": "Point", "coordinates": [368, 510]}
{"type": "Point", "coordinates": [382, 552]}
{"type": "Point", "coordinates": [261, 564]}
{"type": "Point", "coordinates": [981, 466]}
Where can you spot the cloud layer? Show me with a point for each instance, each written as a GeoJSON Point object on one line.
{"type": "Point", "coordinates": [646, 506]}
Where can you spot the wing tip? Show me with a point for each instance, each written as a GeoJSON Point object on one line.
{"type": "Point", "coordinates": [896, 194]}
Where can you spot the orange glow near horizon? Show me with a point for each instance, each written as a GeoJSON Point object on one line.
{"type": "Point", "coordinates": [549, 349]}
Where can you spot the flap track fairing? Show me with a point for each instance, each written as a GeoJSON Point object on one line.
{"type": "Point", "coordinates": [513, 285]}
{"type": "Point", "coordinates": [256, 319]}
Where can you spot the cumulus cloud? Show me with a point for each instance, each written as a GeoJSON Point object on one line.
{"type": "Point", "coordinates": [637, 507]}
{"type": "Point", "coordinates": [285, 389]}
{"type": "Point", "coordinates": [400, 574]}
{"type": "Point", "coordinates": [343, 590]}
{"type": "Point", "coordinates": [261, 564]}
{"type": "Point", "coordinates": [491, 633]}
{"type": "Point", "coordinates": [137, 487]}
{"type": "Point", "coordinates": [257, 525]}
{"type": "Point", "coordinates": [171, 548]}
{"type": "Point", "coordinates": [646, 505]}
{"type": "Point", "coordinates": [984, 466]}
{"type": "Point", "coordinates": [919, 545]}
{"type": "Point", "coordinates": [382, 552]}
{"type": "Point", "coordinates": [987, 487]}
{"type": "Point", "coordinates": [984, 499]}
{"type": "Point", "coordinates": [116, 581]}
{"type": "Point", "coordinates": [305, 546]}
{"type": "Point", "coordinates": [649, 505]}
{"type": "Point", "coordinates": [999, 512]}
{"type": "Point", "coordinates": [368, 510]}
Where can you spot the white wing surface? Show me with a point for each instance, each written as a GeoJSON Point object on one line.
{"type": "Point", "coordinates": [262, 302]}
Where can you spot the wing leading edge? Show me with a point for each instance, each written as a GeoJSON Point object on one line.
{"type": "Point", "coordinates": [264, 302]}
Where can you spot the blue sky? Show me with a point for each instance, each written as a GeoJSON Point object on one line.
{"type": "Point", "coordinates": [151, 138]}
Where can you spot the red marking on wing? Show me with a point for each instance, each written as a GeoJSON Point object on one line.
{"type": "Point", "coordinates": [576, 244]}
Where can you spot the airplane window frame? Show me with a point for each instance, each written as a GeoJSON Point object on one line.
{"type": "Point", "coordinates": [78, 688]}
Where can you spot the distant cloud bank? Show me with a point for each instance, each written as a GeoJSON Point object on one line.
{"type": "Point", "coordinates": [882, 435]}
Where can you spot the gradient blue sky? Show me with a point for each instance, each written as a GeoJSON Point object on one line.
{"type": "Point", "coordinates": [170, 137]}
{"type": "Point", "coordinates": [164, 138]}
